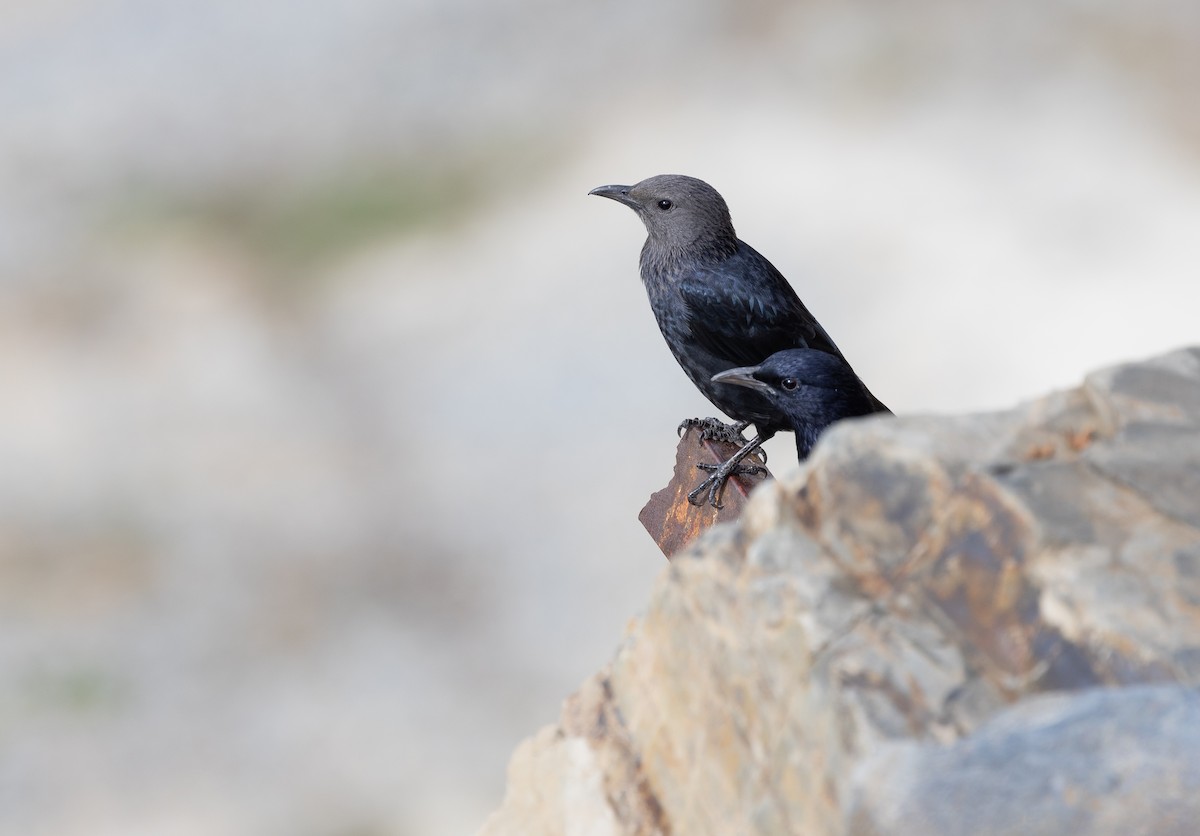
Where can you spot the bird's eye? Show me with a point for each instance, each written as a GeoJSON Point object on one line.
{"type": "Point", "coordinates": [789, 383]}
{"type": "Point", "coordinates": [665, 204]}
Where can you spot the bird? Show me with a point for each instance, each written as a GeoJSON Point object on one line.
{"type": "Point", "coordinates": [812, 388]}
{"type": "Point", "coordinates": [720, 305]}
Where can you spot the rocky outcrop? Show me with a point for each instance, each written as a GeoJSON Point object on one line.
{"type": "Point", "coordinates": [985, 624]}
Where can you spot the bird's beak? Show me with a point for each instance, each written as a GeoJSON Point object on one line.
{"type": "Point", "coordinates": [742, 377]}
{"type": "Point", "coordinates": [618, 193]}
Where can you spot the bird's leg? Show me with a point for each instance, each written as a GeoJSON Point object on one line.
{"type": "Point", "coordinates": [714, 429]}
{"type": "Point", "coordinates": [715, 484]}
{"type": "Point", "coordinates": [758, 452]}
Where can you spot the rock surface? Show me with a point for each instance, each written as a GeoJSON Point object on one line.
{"type": "Point", "coordinates": [1107, 760]}
{"type": "Point", "coordinates": [674, 522]}
{"type": "Point", "coordinates": [984, 624]}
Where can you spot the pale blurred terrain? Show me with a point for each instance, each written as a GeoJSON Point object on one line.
{"type": "Point", "coordinates": [330, 398]}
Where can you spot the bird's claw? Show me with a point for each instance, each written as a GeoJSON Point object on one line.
{"type": "Point", "coordinates": [737, 470]}
{"type": "Point", "coordinates": [714, 429]}
{"type": "Point", "coordinates": [715, 484]}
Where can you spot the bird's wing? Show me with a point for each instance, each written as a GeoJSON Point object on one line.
{"type": "Point", "coordinates": [743, 310]}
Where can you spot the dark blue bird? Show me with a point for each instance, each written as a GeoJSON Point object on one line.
{"type": "Point", "coordinates": [812, 388]}
{"type": "Point", "coordinates": [719, 304]}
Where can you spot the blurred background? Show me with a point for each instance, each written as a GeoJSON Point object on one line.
{"type": "Point", "coordinates": [330, 398]}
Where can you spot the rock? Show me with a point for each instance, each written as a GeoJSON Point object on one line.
{"type": "Point", "coordinates": [674, 522]}
{"type": "Point", "coordinates": [872, 646]}
{"type": "Point", "coordinates": [1106, 760]}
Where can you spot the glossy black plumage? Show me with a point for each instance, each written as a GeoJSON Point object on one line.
{"type": "Point", "coordinates": [719, 303]}
{"type": "Point", "coordinates": [813, 389]}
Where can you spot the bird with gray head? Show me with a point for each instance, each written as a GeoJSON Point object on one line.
{"type": "Point", "coordinates": [812, 388]}
{"type": "Point", "coordinates": [719, 304]}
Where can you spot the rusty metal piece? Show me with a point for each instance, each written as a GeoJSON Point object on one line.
{"type": "Point", "coordinates": [674, 522]}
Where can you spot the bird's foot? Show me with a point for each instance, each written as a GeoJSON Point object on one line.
{"type": "Point", "coordinates": [714, 429]}
{"type": "Point", "coordinates": [715, 484]}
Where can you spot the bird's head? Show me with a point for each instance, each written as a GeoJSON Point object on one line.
{"type": "Point", "coordinates": [796, 373]}
{"type": "Point", "coordinates": [680, 213]}
{"type": "Point", "coordinates": [812, 388]}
